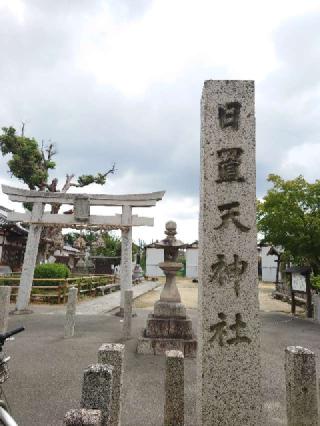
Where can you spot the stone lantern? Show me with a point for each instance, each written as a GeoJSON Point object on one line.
{"type": "Point", "coordinates": [169, 327]}
{"type": "Point", "coordinates": [80, 244]}
{"type": "Point", "coordinates": [58, 241]}
{"type": "Point", "coordinates": [99, 243]}
{"type": "Point", "coordinates": [170, 300]}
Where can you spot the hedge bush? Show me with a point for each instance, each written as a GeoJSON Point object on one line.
{"type": "Point", "coordinates": [50, 270]}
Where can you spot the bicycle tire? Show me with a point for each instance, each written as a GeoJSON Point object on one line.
{"type": "Point", "coordinates": [6, 419]}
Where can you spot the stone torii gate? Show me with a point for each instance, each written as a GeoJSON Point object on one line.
{"type": "Point", "coordinates": [81, 217]}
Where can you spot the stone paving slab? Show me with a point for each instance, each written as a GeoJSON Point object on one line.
{"type": "Point", "coordinates": [105, 304]}
{"type": "Point", "coordinates": [97, 306]}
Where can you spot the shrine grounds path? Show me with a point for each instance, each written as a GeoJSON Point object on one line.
{"type": "Point", "coordinates": [46, 369]}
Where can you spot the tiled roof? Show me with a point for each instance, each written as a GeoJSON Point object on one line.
{"type": "Point", "coordinates": [3, 220]}
{"type": "Point", "coordinates": [4, 223]}
{"type": "Point", "coordinates": [72, 249]}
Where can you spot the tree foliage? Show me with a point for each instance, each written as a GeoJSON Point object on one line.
{"type": "Point", "coordinates": [112, 243]}
{"type": "Point", "coordinates": [289, 216]}
{"type": "Point", "coordinates": [28, 163]}
{"type": "Point", "coordinates": [31, 163]}
{"type": "Point", "coordinates": [112, 246]}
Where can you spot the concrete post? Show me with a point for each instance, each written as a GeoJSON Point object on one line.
{"type": "Point", "coordinates": [70, 312]}
{"type": "Point", "coordinates": [5, 292]}
{"type": "Point", "coordinates": [301, 387]}
{"type": "Point", "coordinates": [174, 389]}
{"type": "Point", "coordinates": [316, 307]}
{"type": "Point", "coordinates": [83, 417]}
{"type": "Point", "coordinates": [30, 257]}
{"type": "Point", "coordinates": [97, 390]}
{"type": "Point", "coordinates": [228, 364]}
{"type": "Point", "coordinates": [127, 314]}
{"type": "Point", "coordinates": [126, 254]}
{"type": "Point", "coordinates": [113, 354]}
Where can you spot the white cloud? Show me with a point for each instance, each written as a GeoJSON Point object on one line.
{"type": "Point", "coordinates": [302, 159]}
{"type": "Point", "coordinates": [171, 35]}
{"type": "Point", "coordinates": [109, 81]}
{"type": "Point", "coordinates": [15, 7]}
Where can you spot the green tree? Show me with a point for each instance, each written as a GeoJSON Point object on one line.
{"type": "Point", "coordinates": [112, 244]}
{"type": "Point", "coordinates": [70, 238]}
{"type": "Point", "coordinates": [289, 216]}
{"type": "Point", "coordinates": [31, 164]}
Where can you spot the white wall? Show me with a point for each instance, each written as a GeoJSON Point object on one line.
{"type": "Point", "coordinates": [192, 263]}
{"type": "Point", "coordinates": [269, 266]}
{"type": "Point", "coordinates": [154, 257]}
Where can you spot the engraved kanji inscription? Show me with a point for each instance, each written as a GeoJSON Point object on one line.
{"type": "Point", "coordinates": [231, 215]}
{"type": "Point", "coordinates": [237, 327]}
{"type": "Point", "coordinates": [236, 269]}
{"type": "Point", "coordinates": [219, 330]}
{"type": "Point", "coordinates": [229, 165]}
{"type": "Point", "coordinates": [224, 273]}
{"type": "Point", "coordinates": [219, 270]}
{"type": "Point", "coordinates": [229, 115]}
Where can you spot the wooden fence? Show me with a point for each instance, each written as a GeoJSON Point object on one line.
{"type": "Point", "coordinates": [93, 285]}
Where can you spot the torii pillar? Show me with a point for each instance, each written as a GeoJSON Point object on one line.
{"type": "Point", "coordinates": [126, 256]}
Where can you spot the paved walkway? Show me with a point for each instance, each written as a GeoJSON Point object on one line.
{"type": "Point", "coordinates": [105, 304]}
{"type": "Point", "coordinates": [98, 305]}
{"type": "Point", "coordinates": [46, 370]}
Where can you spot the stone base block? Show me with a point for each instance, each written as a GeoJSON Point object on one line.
{"type": "Point", "coordinates": [165, 309]}
{"type": "Point", "coordinates": [159, 346]}
{"type": "Point", "coordinates": [172, 328]}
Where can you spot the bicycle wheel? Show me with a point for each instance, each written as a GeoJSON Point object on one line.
{"type": "Point", "coordinates": [6, 419]}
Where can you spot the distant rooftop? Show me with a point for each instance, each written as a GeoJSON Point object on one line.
{"type": "Point", "coordinates": [5, 209]}
{"type": "Point", "coordinates": [4, 223]}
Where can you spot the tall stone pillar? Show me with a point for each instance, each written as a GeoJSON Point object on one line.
{"type": "Point", "coordinates": [126, 254]}
{"type": "Point", "coordinates": [228, 337]}
{"type": "Point", "coordinates": [29, 261]}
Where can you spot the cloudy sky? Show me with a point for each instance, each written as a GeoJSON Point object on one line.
{"type": "Point", "coordinates": [120, 81]}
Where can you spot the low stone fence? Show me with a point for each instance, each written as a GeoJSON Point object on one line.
{"type": "Point", "coordinates": [93, 285]}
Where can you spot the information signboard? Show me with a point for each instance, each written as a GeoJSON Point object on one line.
{"type": "Point", "coordinates": [299, 282]}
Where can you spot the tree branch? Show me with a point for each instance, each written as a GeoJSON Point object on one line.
{"type": "Point", "coordinates": [50, 151]}
{"type": "Point", "coordinates": [22, 129]}
{"type": "Point", "coordinates": [111, 171]}
{"type": "Point", "coordinates": [68, 183]}
{"type": "Point", "coordinates": [42, 152]}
